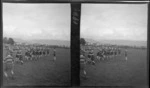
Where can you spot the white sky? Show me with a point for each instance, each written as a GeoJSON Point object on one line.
{"type": "Point", "coordinates": [114, 21]}
{"type": "Point", "coordinates": [37, 21]}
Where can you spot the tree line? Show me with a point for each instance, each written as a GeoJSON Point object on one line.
{"type": "Point", "coordinates": [8, 40]}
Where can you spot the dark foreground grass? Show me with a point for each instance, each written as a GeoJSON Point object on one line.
{"type": "Point", "coordinates": [43, 72]}
{"type": "Point", "coordinates": [118, 72]}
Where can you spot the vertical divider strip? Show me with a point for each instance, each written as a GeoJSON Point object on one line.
{"type": "Point", "coordinates": [75, 43]}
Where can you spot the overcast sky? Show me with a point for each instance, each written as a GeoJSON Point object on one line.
{"type": "Point", "coordinates": [37, 21]}
{"type": "Point", "coordinates": [114, 21]}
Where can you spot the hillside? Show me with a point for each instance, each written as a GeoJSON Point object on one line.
{"type": "Point", "coordinates": [46, 41]}
{"type": "Point", "coordinates": [119, 42]}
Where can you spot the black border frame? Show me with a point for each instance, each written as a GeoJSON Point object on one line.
{"type": "Point", "coordinates": [75, 33]}
{"type": "Point", "coordinates": [76, 1]}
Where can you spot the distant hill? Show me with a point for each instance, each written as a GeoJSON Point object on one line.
{"type": "Point", "coordinates": [91, 41]}
{"type": "Point", "coordinates": [19, 40]}
{"type": "Point", "coordinates": [119, 42]}
{"type": "Point", "coordinates": [52, 42]}
{"type": "Point", "coordinates": [44, 41]}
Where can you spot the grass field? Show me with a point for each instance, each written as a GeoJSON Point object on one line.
{"type": "Point", "coordinates": [118, 72]}
{"type": "Point", "coordinates": [43, 72]}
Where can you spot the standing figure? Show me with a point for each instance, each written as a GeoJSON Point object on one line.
{"type": "Point", "coordinates": [27, 55]}
{"type": "Point", "coordinates": [19, 56]}
{"type": "Point", "coordinates": [54, 54]}
{"type": "Point", "coordinates": [8, 63]}
{"type": "Point", "coordinates": [126, 58]}
{"type": "Point", "coordinates": [119, 52]}
{"type": "Point", "coordinates": [92, 57]}
{"type": "Point", "coordinates": [98, 55]}
{"type": "Point", "coordinates": [82, 64]}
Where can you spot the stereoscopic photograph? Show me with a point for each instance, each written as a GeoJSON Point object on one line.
{"type": "Point", "coordinates": [113, 45]}
{"type": "Point", "coordinates": [36, 44]}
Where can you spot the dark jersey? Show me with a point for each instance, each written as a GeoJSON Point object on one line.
{"type": "Point", "coordinates": [92, 57]}
{"type": "Point", "coordinates": [115, 52]}
{"type": "Point", "coordinates": [98, 54]}
{"type": "Point", "coordinates": [27, 53]}
{"type": "Point", "coordinates": [33, 52]}
{"type": "Point", "coordinates": [119, 51]}
{"type": "Point", "coordinates": [19, 55]}
{"type": "Point", "coordinates": [43, 52]}
{"type": "Point", "coordinates": [47, 51]}
{"type": "Point", "coordinates": [54, 53]}
{"type": "Point", "coordinates": [40, 52]}
{"type": "Point", "coordinates": [125, 53]}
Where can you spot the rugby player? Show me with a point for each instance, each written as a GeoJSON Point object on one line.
{"type": "Point", "coordinates": [54, 54]}
{"type": "Point", "coordinates": [19, 56]}
{"type": "Point", "coordinates": [126, 58]}
{"type": "Point", "coordinates": [27, 55]}
{"type": "Point", "coordinates": [8, 63]}
{"type": "Point", "coordinates": [92, 57]}
{"type": "Point", "coordinates": [98, 55]}
{"type": "Point", "coordinates": [82, 64]}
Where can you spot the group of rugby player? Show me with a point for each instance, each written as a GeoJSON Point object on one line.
{"type": "Point", "coordinates": [88, 55]}
{"type": "Point", "coordinates": [108, 52]}
{"type": "Point", "coordinates": [21, 53]}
